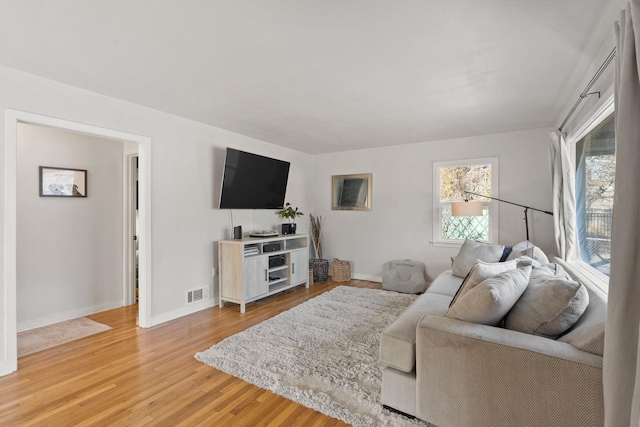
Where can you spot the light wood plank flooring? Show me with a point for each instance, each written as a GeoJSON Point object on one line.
{"type": "Point", "coordinates": [138, 377]}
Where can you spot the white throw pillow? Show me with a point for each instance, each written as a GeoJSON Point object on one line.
{"type": "Point", "coordinates": [549, 306]}
{"type": "Point", "coordinates": [472, 251]}
{"type": "Point", "coordinates": [488, 302]}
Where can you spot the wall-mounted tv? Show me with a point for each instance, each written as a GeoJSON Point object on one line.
{"type": "Point", "coordinates": [251, 181]}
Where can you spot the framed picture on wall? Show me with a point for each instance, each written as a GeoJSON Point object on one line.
{"type": "Point", "coordinates": [351, 192]}
{"type": "Point", "coordinates": [62, 182]}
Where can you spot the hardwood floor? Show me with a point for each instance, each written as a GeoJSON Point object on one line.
{"type": "Point", "coordinates": [134, 376]}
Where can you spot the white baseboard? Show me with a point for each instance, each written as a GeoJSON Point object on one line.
{"type": "Point", "coordinates": [365, 277]}
{"type": "Point", "coordinates": [61, 317]}
{"type": "Point", "coordinates": [5, 369]}
{"type": "Point", "coordinates": [184, 311]}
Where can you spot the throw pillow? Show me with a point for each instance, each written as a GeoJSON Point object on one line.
{"type": "Point", "coordinates": [549, 306]}
{"type": "Point", "coordinates": [488, 302]}
{"type": "Point", "coordinates": [505, 253]}
{"type": "Point", "coordinates": [526, 248]}
{"type": "Point", "coordinates": [472, 251]}
{"type": "Point", "coordinates": [480, 272]}
{"type": "Point", "coordinates": [523, 261]}
{"type": "Point", "coordinates": [551, 269]}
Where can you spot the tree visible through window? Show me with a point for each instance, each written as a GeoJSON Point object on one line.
{"type": "Point", "coordinates": [595, 185]}
{"type": "Point", "coordinates": [453, 180]}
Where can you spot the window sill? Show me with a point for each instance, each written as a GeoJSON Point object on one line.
{"type": "Point", "coordinates": [455, 243]}
{"type": "Point", "coordinates": [447, 244]}
{"type": "Point", "coordinates": [586, 272]}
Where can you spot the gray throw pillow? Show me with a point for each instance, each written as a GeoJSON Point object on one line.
{"type": "Point", "coordinates": [549, 306]}
{"type": "Point", "coordinates": [480, 272]}
{"type": "Point", "coordinates": [551, 269]}
{"type": "Point", "coordinates": [472, 251]}
{"type": "Point", "coordinates": [526, 248]}
{"type": "Point", "coordinates": [489, 301]}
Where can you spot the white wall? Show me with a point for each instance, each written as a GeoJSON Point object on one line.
{"type": "Point", "coordinates": [601, 93]}
{"type": "Point", "coordinates": [187, 160]}
{"type": "Point", "coordinates": [69, 259]}
{"type": "Point", "coordinates": [400, 224]}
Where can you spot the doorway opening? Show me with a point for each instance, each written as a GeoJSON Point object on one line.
{"type": "Point", "coordinates": [131, 211]}
{"type": "Point", "coordinates": [8, 348]}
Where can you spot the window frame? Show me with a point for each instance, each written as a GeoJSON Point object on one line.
{"type": "Point", "coordinates": [608, 107]}
{"type": "Point", "coordinates": [494, 215]}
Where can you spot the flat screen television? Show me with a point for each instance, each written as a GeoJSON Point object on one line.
{"type": "Point", "coordinates": [251, 181]}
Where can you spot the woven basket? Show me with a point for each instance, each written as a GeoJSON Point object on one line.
{"type": "Point", "coordinates": [310, 276]}
{"type": "Point", "coordinates": [341, 270]}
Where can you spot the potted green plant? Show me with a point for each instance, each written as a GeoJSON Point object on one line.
{"type": "Point", "coordinates": [291, 213]}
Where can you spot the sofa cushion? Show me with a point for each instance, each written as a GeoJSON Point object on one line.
{"type": "Point", "coordinates": [445, 284]}
{"type": "Point", "coordinates": [472, 251]}
{"type": "Point", "coordinates": [526, 248]}
{"type": "Point", "coordinates": [489, 301]}
{"type": "Point", "coordinates": [549, 306]}
{"type": "Point", "coordinates": [589, 338]}
{"type": "Point", "coordinates": [398, 340]}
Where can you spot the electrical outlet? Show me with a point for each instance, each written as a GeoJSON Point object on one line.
{"type": "Point", "coordinates": [214, 271]}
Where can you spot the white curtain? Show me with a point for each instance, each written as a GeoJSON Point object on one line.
{"type": "Point", "coordinates": [564, 199]}
{"type": "Point", "coordinates": [621, 356]}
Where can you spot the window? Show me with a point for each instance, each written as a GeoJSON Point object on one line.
{"type": "Point", "coordinates": [450, 181]}
{"type": "Point", "coordinates": [595, 184]}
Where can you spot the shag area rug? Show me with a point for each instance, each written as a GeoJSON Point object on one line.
{"type": "Point", "coordinates": [35, 340]}
{"type": "Point", "coordinates": [322, 354]}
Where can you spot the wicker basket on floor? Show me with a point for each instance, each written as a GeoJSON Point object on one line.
{"type": "Point", "coordinates": [340, 270]}
{"type": "Point", "coordinates": [310, 276]}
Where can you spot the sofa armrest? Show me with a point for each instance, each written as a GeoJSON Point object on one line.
{"type": "Point", "coordinates": [469, 375]}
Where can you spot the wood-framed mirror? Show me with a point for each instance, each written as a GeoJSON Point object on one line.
{"type": "Point", "coordinates": [351, 192]}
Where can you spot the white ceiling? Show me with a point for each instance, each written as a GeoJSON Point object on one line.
{"type": "Point", "coordinates": [320, 75]}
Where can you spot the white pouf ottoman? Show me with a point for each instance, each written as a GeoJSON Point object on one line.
{"type": "Point", "coordinates": [405, 276]}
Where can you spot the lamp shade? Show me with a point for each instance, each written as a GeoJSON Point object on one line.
{"type": "Point", "coordinates": [466, 209]}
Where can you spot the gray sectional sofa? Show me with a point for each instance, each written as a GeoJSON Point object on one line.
{"type": "Point", "coordinates": [454, 373]}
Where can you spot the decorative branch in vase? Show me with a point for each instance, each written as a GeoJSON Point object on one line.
{"type": "Point", "coordinates": [316, 230]}
{"type": "Point", "coordinates": [320, 266]}
{"type": "Point", "coordinates": [289, 212]}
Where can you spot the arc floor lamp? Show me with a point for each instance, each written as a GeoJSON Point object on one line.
{"type": "Point", "coordinates": [468, 208]}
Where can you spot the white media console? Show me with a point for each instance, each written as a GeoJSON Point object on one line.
{"type": "Point", "coordinates": [255, 267]}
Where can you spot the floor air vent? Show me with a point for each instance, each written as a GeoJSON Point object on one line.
{"type": "Point", "coordinates": [195, 295]}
